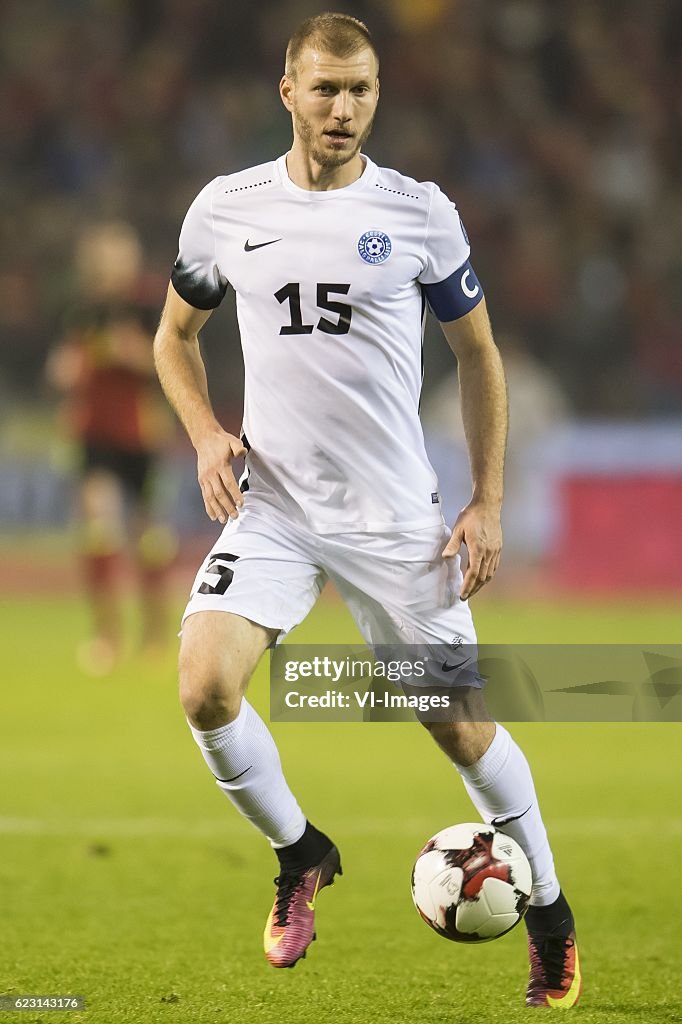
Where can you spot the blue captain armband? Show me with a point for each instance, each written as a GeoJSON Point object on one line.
{"type": "Point", "coordinates": [456, 295]}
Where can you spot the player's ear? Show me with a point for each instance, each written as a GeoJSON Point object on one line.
{"type": "Point", "coordinates": [286, 89]}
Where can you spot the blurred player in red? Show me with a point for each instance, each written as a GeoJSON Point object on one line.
{"type": "Point", "coordinates": [112, 407]}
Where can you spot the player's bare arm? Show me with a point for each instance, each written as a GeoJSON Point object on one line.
{"type": "Point", "coordinates": [484, 411]}
{"type": "Point", "coordinates": [183, 378]}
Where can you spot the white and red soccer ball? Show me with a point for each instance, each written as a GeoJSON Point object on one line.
{"type": "Point", "coordinates": [471, 883]}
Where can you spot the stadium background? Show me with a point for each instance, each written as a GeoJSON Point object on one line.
{"type": "Point", "coordinates": [554, 125]}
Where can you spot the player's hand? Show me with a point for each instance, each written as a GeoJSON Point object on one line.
{"type": "Point", "coordinates": [220, 491]}
{"type": "Point", "coordinates": [478, 527]}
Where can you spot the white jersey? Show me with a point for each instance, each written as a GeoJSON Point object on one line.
{"type": "Point", "coordinates": [331, 299]}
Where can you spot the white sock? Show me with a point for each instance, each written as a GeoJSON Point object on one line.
{"type": "Point", "coordinates": [244, 759]}
{"type": "Point", "coordinates": [501, 786]}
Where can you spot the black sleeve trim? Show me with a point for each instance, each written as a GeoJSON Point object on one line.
{"type": "Point", "coordinates": [200, 292]}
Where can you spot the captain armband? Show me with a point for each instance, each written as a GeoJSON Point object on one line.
{"type": "Point", "coordinates": [456, 295]}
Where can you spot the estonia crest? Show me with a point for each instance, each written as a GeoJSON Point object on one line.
{"type": "Point", "coordinates": [374, 246]}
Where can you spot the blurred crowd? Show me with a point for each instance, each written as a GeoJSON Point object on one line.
{"type": "Point", "coordinates": [554, 124]}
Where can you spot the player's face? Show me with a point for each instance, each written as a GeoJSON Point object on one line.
{"type": "Point", "coordinates": [332, 102]}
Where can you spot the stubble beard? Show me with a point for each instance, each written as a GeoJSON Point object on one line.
{"type": "Point", "coordinates": [326, 158]}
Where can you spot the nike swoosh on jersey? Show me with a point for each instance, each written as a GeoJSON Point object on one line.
{"type": "Point", "coordinates": [501, 822]}
{"type": "Point", "coordinates": [310, 904]}
{"type": "Point", "coordinates": [259, 245]}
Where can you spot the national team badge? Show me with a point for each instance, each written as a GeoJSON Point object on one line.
{"type": "Point", "coordinates": [374, 247]}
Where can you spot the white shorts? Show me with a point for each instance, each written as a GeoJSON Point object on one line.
{"type": "Point", "coordinates": [397, 586]}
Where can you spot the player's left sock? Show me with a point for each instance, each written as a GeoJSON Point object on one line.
{"type": "Point", "coordinates": [501, 788]}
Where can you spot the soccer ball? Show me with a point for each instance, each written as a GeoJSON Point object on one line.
{"type": "Point", "coordinates": [471, 883]}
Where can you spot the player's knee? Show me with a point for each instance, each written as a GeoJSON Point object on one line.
{"type": "Point", "coordinates": [445, 734]}
{"type": "Point", "coordinates": [464, 742]}
{"type": "Point", "coordinates": [209, 693]}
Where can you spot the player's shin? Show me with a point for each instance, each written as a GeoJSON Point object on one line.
{"type": "Point", "coordinates": [245, 762]}
{"type": "Point", "coordinates": [501, 788]}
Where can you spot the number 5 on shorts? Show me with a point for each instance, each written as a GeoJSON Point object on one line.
{"type": "Point", "coordinates": [217, 567]}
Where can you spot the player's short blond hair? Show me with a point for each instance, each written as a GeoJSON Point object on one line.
{"type": "Point", "coordinates": [340, 35]}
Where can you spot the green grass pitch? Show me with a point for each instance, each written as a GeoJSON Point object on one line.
{"type": "Point", "coordinates": [126, 877]}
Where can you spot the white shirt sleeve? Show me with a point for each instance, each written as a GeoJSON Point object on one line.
{"type": "Point", "coordinates": [446, 243]}
{"type": "Point", "coordinates": [196, 276]}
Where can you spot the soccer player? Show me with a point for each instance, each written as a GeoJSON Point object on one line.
{"type": "Point", "coordinates": [333, 260]}
{"type": "Point", "coordinates": [114, 410]}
